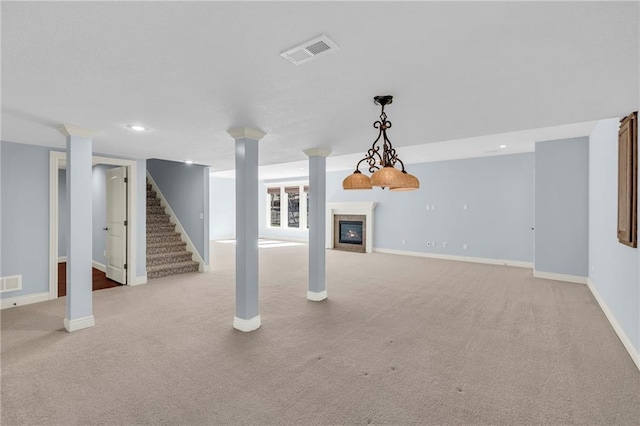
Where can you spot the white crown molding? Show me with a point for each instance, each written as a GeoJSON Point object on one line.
{"type": "Point", "coordinates": [247, 325]}
{"type": "Point", "coordinates": [79, 323]}
{"type": "Point", "coordinates": [246, 133]}
{"type": "Point", "coordinates": [317, 152]}
{"type": "Point", "coordinates": [626, 341]}
{"type": "Point", "coordinates": [560, 277]}
{"type": "Point", "coordinates": [315, 296]}
{"type": "Point", "coordinates": [71, 130]}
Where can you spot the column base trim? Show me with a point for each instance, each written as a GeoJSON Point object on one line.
{"type": "Point", "coordinates": [247, 325]}
{"type": "Point", "coordinates": [79, 323]}
{"type": "Point", "coordinates": [139, 280]}
{"type": "Point", "coordinates": [317, 296]}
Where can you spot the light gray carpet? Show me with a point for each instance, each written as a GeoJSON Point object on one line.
{"type": "Point", "coordinates": [401, 340]}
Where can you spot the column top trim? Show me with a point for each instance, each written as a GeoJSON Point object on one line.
{"type": "Point", "coordinates": [246, 132]}
{"type": "Point", "coordinates": [71, 130]}
{"type": "Point", "coordinates": [317, 152]}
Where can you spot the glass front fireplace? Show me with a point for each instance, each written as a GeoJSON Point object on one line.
{"type": "Point", "coordinates": [351, 232]}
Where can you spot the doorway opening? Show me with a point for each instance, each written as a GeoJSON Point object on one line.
{"type": "Point", "coordinates": [116, 264]}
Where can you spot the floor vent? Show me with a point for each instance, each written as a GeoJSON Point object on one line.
{"type": "Point", "coordinates": [310, 50]}
{"type": "Point", "coordinates": [12, 283]}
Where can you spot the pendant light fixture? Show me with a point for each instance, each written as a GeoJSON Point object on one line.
{"type": "Point", "coordinates": [382, 160]}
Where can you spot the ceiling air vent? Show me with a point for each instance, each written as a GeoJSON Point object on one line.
{"type": "Point", "coordinates": [309, 50]}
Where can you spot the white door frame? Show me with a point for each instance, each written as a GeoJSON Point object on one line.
{"type": "Point", "coordinates": [56, 158]}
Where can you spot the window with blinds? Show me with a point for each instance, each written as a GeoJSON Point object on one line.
{"type": "Point", "coordinates": [288, 206]}
{"type": "Point", "coordinates": [274, 206]}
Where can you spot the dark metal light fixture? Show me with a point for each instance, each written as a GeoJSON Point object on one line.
{"type": "Point", "coordinates": [382, 161]}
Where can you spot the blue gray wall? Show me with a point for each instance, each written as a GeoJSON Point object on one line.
{"type": "Point", "coordinates": [25, 216]}
{"type": "Point", "coordinates": [186, 189]}
{"type": "Point", "coordinates": [99, 210]}
{"type": "Point", "coordinates": [561, 206]}
{"type": "Point", "coordinates": [1, 209]}
{"type": "Point", "coordinates": [141, 216]}
{"type": "Point", "coordinates": [498, 194]}
{"type": "Point", "coordinates": [222, 223]}
{"type": "Point", "coordinates": [63, 215]}
{"type": "Point", "coordinates": [613, 267]}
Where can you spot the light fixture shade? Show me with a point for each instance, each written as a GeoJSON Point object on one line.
{"type": "Point", "coordinates": [357, 181]}
{"type": "Point", "coordinates": [388, 177]}
{"type": "Point", "coordinates": [411, 183]}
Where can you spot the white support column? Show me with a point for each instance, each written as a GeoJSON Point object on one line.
{"type": "Point", "coordinates": [79, 244]}
{"type": "Point", "coordinates": [247, 316]}
{"type": "Point", "coordinates": [317, 290]}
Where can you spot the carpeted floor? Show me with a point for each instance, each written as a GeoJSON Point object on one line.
{"type": "Point", "coordinates": [401, 340]}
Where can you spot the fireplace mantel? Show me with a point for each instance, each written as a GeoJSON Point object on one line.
{"type": "Point", "coordinates": [365, 208]}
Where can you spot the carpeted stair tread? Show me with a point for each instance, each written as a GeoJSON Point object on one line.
{"type": "Point", "coordinates": [159, 271]}
{"type": "Point", "coordinates": [168, 258]}
{"type": "Point", "coordinates": [155, 209]}
{"type": "Point", "coordinates": [167, 244]}
{"type": "Point", "coordinates": [186, 263]}
{"type": "Point", "coordinates": [153, 218]}
{"type": "Point", "coordinates": [166, 247]}
{"type": "Point", "coordinates": [159, 238]}
{"type": "Point", "coordinates": [159, 228]}
{"type": "Point", "coordinates": [166, 252]}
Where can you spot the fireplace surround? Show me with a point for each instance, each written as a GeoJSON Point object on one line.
{"type": "Point", "coordinates": [365, 209]}
{"type": "Point", "coordinates": [349, 232]}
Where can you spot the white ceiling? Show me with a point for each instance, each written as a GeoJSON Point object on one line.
{"type": "Point", "coordinates": [190, 71]}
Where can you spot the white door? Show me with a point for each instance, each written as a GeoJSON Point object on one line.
{"type": "Point", "coordinates": [116, 224]}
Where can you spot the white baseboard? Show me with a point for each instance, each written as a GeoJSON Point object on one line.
{"type": "Point", "coordinates": [62, 259]}
{"type": "Point", "coordinates": [516, 263]}
{"type": "Point", "coordinates": [204, 268]}
{"type": "Point", "coordinates": [12, 302]}
{"type": "Point", "coordinates": [626, 342]}
{"type": "Point", "coordinates": [139, 280]}
{"type": "Point", "coordinates": [79, 323]}
{"type": "Point", "coordinates": [195, 255]}
{"type": "Point", "coordinates": [99, 266]}
{"type": "Point", "coordinates": [560, 277]}
{"type": "Point", "coordinates": [247, 325]}
{"type": "Point", "coordinates": [316, 296]}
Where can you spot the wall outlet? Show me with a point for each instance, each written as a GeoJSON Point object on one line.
{"type": "Point", "coordinates": [428, 207]}
{"type": "Point", "coordinates": [444, 244]}
{"type": "Point", "coordinates": [433, 243]}
{"type": "Point", "coordinates": [105, 253]}
{"type": "Point", "coordinates": [403, 242]}
{"type": "Point", "coordinates": [464, 246]}
{"type": "Point", "coordinates": [465, 207]}
{"type": "Point", "coordinates": [201, 215]}
{"type": "Point", "coordinates": [433, 206]}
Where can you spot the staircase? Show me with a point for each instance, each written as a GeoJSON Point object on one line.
{"type": "Point", "coordinates": [166, 252]}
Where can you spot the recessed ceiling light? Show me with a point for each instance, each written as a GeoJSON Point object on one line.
{"type": "Point", "coordinates": [503, 146]}
{"type": "Point", "coordinates": [137, 127]}
{"type": "Point", "coordinates": [188, 161]}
